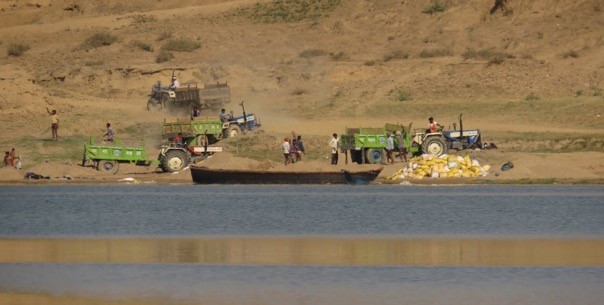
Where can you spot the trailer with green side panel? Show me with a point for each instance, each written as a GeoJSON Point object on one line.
{"type": "Point", "coordinates": [106, 158]}
{"type": "Point", "coordinates": [368, 144]}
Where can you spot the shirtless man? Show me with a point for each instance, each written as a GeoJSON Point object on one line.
{"type": "Point", "coordinates": [54, 126]}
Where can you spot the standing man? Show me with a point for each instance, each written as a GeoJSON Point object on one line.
{"type": "Point", "coordinates": [285, 148]}
{"type": "Point", "coordinates": [12, 156]}
{"type": "Point", "coordinates": [110, 133]}
{"type": "Point", "coordinates": [433, 126]}
{"type": "Point", "coordinates": [195, 112]}
{"type": "Point", "coordinates": [175, 84]}
{"type": "Point", "coordinates": [223, 116]}
{"type": "Point", "coordinates": [389, 148]}
{"type": "Point", "coordinates": [334, 144]}
{"type": "Point", "coordinates": [54, 126]}
{"type": "Point", "coordinates": [299, 148]}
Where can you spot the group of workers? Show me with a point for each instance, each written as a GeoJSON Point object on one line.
{"type": "Point", "coordinates": [11, 159]}
{"type": "Point", "coordinates": [293, 150]}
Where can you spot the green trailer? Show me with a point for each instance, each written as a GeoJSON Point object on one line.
{"type": "Point", "coordinates": [368, 144]}
{"type": "Point", "coordinates": [107, 158]}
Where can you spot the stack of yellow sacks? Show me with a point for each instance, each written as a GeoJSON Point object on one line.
{"type": "Point", "coordinates": [442, 167]}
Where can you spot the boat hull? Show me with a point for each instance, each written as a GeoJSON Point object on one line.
{"type": "Point", "coordinates": [204, 175]}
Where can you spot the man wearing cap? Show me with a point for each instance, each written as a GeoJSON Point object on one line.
{"type": "Point", "coordinates": [334, 144]}
{"type": "Point", "coordinates": [175, 84]}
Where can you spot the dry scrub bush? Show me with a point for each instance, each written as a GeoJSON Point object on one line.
{"type": "Point", "coordinates": [98, 40]}
{"type": "Point", "coordinates": [395, 55]}
{"type": "Point", "coordinates": [435, 53]}
{"type": "Point", "coordinates": [16, 49]}
{"type": "Point", "coordinates": [312, 53]}
{"type": "Point", "coordinates": [142, 45]}
{"type": "Point", "coordinates": [570, 53]}
{"type": "Point", "coordinates": [435, 7]}
{"type": "Point", "coordinates": [181, 45]}
{"type": "Point", "coordinates": [164, 56]}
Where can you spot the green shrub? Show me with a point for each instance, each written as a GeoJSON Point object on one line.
{"type": "Point", "coordinates": [436, 7]}
{"type": "Point", "coordinates": [396, 55]}
{"type": "Point", "coordinates": [98, 40]}
{"type": "Point", "coordinates": [435, 53]}
{"type": "Point", "coordinates": [142, 45]}
{"type": "Point", "coordinates": [400, 94]}
{"type": "Point", "coordinates": [181, 45]}
{"type": "Point", "coordinates": [16, 49]}
{"type": "Point", "coordinates": [312, 53]}
{"type": "Point", "coordinates": [164, 56]}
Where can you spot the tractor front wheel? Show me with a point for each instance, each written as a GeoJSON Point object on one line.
{"type": "Point", "coordinates": [108, 166]}
{"type": "Point", "coordinates": [434, 146]}
{"type": "Point", "coordinates": [234, 131]}
{"type": "Point", "coordinates": [175, 160]}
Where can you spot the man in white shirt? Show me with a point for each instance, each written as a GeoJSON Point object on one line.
{"type": "Point", "coordinates": [175, 84]}
{"type": "Point", "coordinates": [285, 148]}
{"type": "Point", "coordinates": [334, 144]}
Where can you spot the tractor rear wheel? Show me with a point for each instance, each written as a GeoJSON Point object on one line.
{"type": "Point", "coordinates": [153, 105]}
{"type": "Point", "coordinates": [434, 146]}
{"type": "Point", "coordinates": [174, 160]}
{"type": "Point", "coordinates": [234, 131]}
{"type": "Point", "coordinates": [374, 155]}
{"type": "Point", "coordinates": [108, 166]}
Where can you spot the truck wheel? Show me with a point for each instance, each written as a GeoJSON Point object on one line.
{"type": "Point", "coordinates": [234, 131]}
{"type": "Point", "coordinates": [435, 146]}
{"type": "Point", "coordinates": [174, 161]}
{"type": "Point", "coordinates": [374, 155]}
{"type": "Point", "coordinates": [153, 105]}
{"type": "Point", "coordinates": [108, 166]}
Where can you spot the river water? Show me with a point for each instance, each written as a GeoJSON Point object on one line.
{"type": "Point", "coordinates": [301, 244]}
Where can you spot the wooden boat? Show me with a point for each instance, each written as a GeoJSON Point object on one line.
{"type": "Point", "coordinates": [205, 175]}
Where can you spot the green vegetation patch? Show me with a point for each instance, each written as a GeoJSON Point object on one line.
{"type": "Point", "coordinates": [398, 54]}
{"type": "Point", "coordinates": [181, 45]}
{"type": "Point", "coordinates": [435, 7]}
{"type": "Point", "coordinates": [289, 11]}
{"type": "Point", "coordinates": [17, 49]}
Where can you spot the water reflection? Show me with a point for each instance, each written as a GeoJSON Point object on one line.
{"type": "Point", "coordinates": [310, 251]}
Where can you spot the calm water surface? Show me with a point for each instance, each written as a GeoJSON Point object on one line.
{"type": "Point", "coordinates": [175, 212]}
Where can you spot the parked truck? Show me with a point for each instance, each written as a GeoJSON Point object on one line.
{"type": "Point", "coordinates": [367, 145]}
{"type": "Point", "coordinates": [212, 97]}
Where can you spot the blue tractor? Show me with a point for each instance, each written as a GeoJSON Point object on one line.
{"type": "Point", "coordinates": [437, 143]}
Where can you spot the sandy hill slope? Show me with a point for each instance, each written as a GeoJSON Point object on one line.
{"type": "Point", "coordinates": [529, 74]}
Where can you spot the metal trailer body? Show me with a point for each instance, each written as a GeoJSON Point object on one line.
{"type": "Point", "coordinates": [212, 97]}
{"type": "Point", "coordinates": [107, 158]}
{"type": "Point", "coordinates": [368, 144]}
